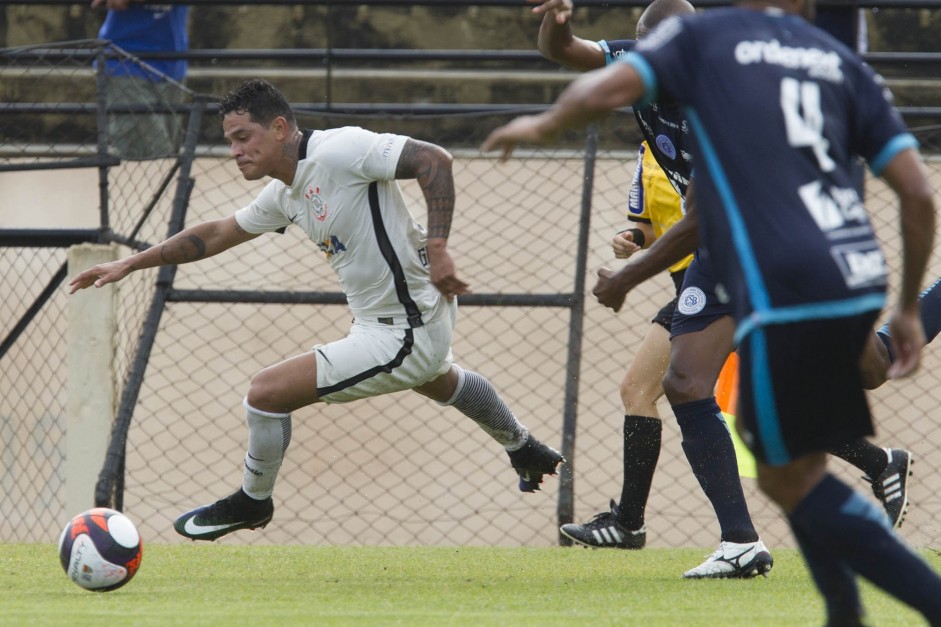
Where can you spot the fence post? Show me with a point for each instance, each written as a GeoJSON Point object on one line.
{"type": "Point", "coordinates": [91, 378]}
{"type": "Point", "coordinates": [566, 506]}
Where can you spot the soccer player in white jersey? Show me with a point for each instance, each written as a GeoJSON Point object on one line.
{"type": "Point", "coordinates": [780, 111]}
{"type": "Point", "coordinates": [339, 186]}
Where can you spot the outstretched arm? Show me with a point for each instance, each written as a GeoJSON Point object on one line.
{"type": "Point", "coordinates": [430, 165]}
{"type": "Point", "coordinates": [906, 176]}
{"type": "Point", "coordinates": [197, 242]}
{"type": "Point", "coordinates": [558, 43]}
{"type": "Point", "coordinates": [676, 243]}
{"type": "Point", "coordinates": [589, 97]}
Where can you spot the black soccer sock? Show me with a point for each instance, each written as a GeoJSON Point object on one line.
{"type": "Point", "coordinates": [865, 455]}
{"type": "Point", "coordinates": [711, 454]}
{"type": "Point", "coordinates": [642, 436]}
{"type": "Point", "coordinates": [857, 533]}
{"type": "Point", "coordinates": [834, 579]}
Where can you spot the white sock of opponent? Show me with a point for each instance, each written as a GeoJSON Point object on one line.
{"type": "Point", "coordinates": [476, 398]}
{"type": "Point", "coordinates": [268, 437]}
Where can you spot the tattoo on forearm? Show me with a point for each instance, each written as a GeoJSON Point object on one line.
{"type": "Point", "coordinates": [431, 167]}
{"type": "Point", "coordinates": [183, 250]}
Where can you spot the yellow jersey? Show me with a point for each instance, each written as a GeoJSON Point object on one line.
{"type": "Point", "coordinates": [654, 200]}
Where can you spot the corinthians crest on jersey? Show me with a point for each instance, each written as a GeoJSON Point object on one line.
{"type": "Point", "coordinates": [318, 206]}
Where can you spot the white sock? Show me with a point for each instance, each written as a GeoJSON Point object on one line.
{"type": "Point", "coordinates": [476, 398]}
{"type": "Point", "coordinates": [268, 437]}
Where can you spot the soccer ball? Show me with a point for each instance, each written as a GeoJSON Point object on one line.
{"type": "Point", "coordinates": [100, 549]}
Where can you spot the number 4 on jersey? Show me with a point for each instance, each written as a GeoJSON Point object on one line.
{"type": "Point", "coordinates": [803, 117]}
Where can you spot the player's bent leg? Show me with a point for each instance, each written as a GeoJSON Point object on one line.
{"type": "Point", "coordinates": [623, 525]}
{"type": "Point", "coordinates": [289, 384]}
{"type": "Point", "coordinates": [475, 396]}
{"type": "Point", "coordinates": [874, 362]}
{"type": "Point", "coordinates": [285, 386]}
{"type": "Point", "coordinates": [698, 352]}
{"type": "Point", "coordinates": [251, 506]}
{"type": "Point", "coordinates": [842, 534]}
{"type": "Point", "coordinates": [696, 359]}
{"type": "Point", "coordinates": [642, 386]}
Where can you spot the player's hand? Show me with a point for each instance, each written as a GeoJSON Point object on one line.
{"type": "Point", "coordinates": [526, 128]}
{"type": "Point", "coordinates": [907, 337]}
{"type": "Point", "coordinates": [608, 289]}
{"type": "Point", "coordinates": [561, 9]}
{"type": "Point", "coordinates": [444, 275]}
{"type": "Point", "coordinates": [623, 244]}
{"type": "Point", "coordinates": [99, 275]}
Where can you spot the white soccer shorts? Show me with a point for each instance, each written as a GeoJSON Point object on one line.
{"type": "Point", "coordinates": [377, 359]}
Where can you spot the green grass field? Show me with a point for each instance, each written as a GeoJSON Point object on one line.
{"type": "Point", "coordinates": [206, 584]}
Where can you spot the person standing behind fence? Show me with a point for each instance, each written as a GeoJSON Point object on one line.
{"type": "Point", "coordinates": [340, 187]}
{"type": "Point", "coordinates": [139, 28]}
{"type": "Point", "coordinates": [779, 111]}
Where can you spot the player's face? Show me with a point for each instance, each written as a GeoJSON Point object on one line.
{"type": "Point", "coordinates": [254, 147]}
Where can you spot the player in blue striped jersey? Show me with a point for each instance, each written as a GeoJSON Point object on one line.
{"type": "Point", "coordinates": [779, 111]}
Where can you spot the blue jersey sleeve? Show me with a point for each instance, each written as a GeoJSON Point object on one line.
{"type": "Point", "coordinates": [879, 133]}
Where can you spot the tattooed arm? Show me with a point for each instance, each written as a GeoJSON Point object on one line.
{"type": "Point", "coordinates": [197, 242]}
{"type": "Point", "coordinates": [430, 165]}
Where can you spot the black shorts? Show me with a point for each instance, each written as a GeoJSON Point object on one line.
{"type": "Point", "coordinates": [697, 304]}
{"type": "Point", "coordinates": [664, 317]}
{"type": "Point", "coordinates": [800, 387]}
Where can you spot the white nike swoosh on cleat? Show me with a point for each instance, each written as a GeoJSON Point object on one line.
{"type": "Point", "coordinates": [193, 528]}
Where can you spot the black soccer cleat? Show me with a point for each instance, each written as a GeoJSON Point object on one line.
{"type": "Point", "coordinates": [605, 532]}
{"type": "Point", "coordinates": [533, 460]}
{"type": "Point", "coordinates": [238, 511]}
{"type": "Point", "coordinates": [891, 487]}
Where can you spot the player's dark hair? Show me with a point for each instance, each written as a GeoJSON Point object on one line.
{"type": "Point", "coordinates": [659, 10]}
{"type": "Point", "coordinates": [260, 100]}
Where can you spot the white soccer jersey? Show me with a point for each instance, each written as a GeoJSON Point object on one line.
{"type": "Point", "coordinates": [346, 199]}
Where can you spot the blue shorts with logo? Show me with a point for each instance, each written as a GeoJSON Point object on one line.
{"type": "Point", "coordinates": [697, 305]}
{"type": "Point", "coordinates": [664, 317]}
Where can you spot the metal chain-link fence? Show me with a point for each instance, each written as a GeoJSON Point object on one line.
{"type": "Point", "coordinates": [396, 469]}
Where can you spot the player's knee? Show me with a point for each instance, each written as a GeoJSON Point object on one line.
{"type": "Point", "coordinates": [873, 377]}
{"type": "Point", "coordinates": [685, 387]}
{"type": "Point", "coordinates": [263, 392]}
{"type": "Point", "coordinates": [874, 364]}
{"type": "Point", "coordinates": [636, 393]}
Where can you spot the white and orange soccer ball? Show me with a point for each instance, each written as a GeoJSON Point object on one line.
{"type": "Point", "coordinates": [100, 549]}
